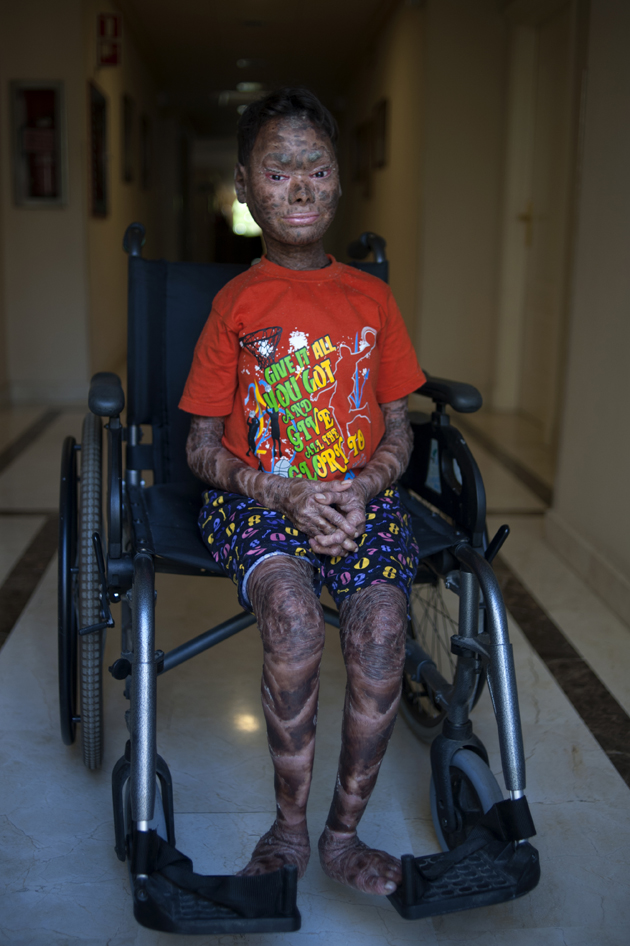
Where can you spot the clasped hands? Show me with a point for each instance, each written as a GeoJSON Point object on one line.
{"type": "Point", "coordinates": [332, 514]}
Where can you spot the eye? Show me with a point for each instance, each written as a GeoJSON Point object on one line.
{"type": "Point", "coordinates": [274, 176]}
{"type": "Point", "coordinates": [325, 172]}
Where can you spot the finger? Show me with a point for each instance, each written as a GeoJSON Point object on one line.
{"type": "Point", "coordinates": [335, 550]}
{"type": "Point", "coordinates": [337, 538]}
{"type": "Point", "coordinates": [337, 519]}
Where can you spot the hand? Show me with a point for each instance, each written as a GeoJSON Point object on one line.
{"type": "Point", "coordinates": [350, 498]}
{"type": "Point", "coordinates": [309, 506]}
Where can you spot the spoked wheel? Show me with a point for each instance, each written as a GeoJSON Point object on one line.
{"type": "Point", "coordinates": [91, 645]}
{"type": "Point", "coordinates": [475, 791]}
{"type": "Point", "coordinates": [434, 619]}
{"type": "Point", "coordinates": [67, 592]}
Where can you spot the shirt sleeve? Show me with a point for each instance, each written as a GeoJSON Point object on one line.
{"type": "Point", "coordinates": [213, 378]}
{"type": "Point", "coordinates": [399, 373]}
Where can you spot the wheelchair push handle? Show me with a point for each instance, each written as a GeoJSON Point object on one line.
{"type": "Point", "coordinates": [463, 398]}
{"type": "Point", "coordinates": [368, 242]}
{"type": "Point", "coordinates": [106, 397]}
{"type": "Point", "coordinates": [134, 239]}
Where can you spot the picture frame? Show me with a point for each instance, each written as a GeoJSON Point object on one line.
{"type": "Point", "coordinates": [38, 118]}
{"type": "Point", "coordinates": [128, 118]}
{"type": "Point", "coordinates": [99, 191]}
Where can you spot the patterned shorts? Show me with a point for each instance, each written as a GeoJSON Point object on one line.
{"type": "Point", "coordinates": [240, 533]}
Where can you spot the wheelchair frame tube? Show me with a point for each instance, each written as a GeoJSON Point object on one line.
{"type": "Point", "coordinates": [502, 676]}
{"type": "Point", "coordinates": [144, 693]}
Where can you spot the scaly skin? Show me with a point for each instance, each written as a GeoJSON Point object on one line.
{"type": "Point", "coordinates": [290, 619]}
{"type": "Point", "coordinates": [291, 185]}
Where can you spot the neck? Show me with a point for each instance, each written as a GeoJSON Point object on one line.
{"type": "Point", "coordinates": [296, 257]}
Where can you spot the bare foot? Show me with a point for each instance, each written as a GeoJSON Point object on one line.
{"type": "Point", "coordinates": [349, 861]}
{"type": "Point", "coordinates": [279, 846]}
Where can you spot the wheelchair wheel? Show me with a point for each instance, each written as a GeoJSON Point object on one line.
{"type": "Point", "coordinates": [67, 592]}
{"type": "Point", "coordinates": [434, 619]}
{"type": "Point", "coordinates": [91, 645]}
{"type": "Point", "coordinates": [475, 791]}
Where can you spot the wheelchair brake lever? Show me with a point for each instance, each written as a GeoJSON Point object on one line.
{"type": "Point", "coordinates": [105, 609]}
{"type": "Point", "coordinates": [496, 544]}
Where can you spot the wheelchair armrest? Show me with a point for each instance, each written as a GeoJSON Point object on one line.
{"type": "Point", "coordinates": [106, 397]}
{"type": "Point", "coordinates": [464, 398]}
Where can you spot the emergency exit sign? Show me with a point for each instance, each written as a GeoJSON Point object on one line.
{"type": "Point", "coordinates": [108, 39]}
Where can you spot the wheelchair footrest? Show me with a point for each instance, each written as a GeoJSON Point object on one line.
{"type": "Point", "coordinates": [174, 899]}
{"type": "Point", "coordinates": [487, 868]}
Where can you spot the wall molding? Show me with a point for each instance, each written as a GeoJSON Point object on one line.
{"type": "Point", "coordinates": [600, 575]}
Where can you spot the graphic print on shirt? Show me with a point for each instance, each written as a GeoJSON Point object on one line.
{"type": "Point", "coordinates": [305, 411]}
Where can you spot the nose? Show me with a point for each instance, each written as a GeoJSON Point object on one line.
{"type": "Point", "coordinates": [301, 190]}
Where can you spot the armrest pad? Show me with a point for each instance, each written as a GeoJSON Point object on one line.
{"type": "Point", "coordinates": [106, 397]}
{"type": "Point", "coordinates": [463, 398]}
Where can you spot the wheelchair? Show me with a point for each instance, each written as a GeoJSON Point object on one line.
{"type": "Point", "coordinates": [457, 640]}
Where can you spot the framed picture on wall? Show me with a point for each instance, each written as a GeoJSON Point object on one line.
{"type": "Point", "coordinates": [39, 144]}
{"type": "Point", "coordinates": [145, 152]}
{"type": "Point", "coordinates": [128, 112]}
{"type": "Point", "coordinates": [98, 152]}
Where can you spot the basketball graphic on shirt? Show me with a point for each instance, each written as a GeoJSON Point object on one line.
{"type": "Point", "coordinates": [263, 344]}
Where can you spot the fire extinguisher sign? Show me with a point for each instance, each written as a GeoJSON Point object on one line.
{"type": "Point", "coordinates": [108, 39]}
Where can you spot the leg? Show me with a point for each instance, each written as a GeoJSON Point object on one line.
{"type": "Point", "coordinates": [291, 623]}
{"type": "Point", "coordinates": [373, 625]}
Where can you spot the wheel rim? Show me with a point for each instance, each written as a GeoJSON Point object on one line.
{"type": "Point", "coordinates": [67, 609]}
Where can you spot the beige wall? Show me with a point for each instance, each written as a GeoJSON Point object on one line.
{"type": "Point", "coordinates": [43, 251]}
{"type": "Point", "coordinates": [107, 263]}
{"type": "Point", "coordinates": [393, 70]}
{"type": "Point", "coordinates": [465, 77]}
{"type": "Point", "coordinates": [590, 522]}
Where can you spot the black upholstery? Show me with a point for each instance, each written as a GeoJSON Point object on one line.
{"type": "Point", "coordinates": [169, 304]}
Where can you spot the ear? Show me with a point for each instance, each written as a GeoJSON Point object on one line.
{"type": "Point", "coordinates": [240, 183]}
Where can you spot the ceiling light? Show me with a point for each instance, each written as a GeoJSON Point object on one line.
{"type": "Point", "coordinates": [249, 86]}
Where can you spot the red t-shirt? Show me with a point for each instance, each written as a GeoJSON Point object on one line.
{"type": "Point", "coordinates": [298, 364]}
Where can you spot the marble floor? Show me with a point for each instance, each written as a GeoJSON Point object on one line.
{"type": "Point", "coordinates": [61, 883]}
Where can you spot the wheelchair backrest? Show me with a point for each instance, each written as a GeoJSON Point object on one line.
{"type": "Point", "coordinates": [169, 304]}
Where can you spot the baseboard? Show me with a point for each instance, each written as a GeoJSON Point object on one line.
{"type": "Point", "coordinates": [48, 392]}
{"type": "Point", "coordinates": [599, 574]}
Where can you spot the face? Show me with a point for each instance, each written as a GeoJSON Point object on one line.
{"type": "Point", "coordinates": [291, 184]}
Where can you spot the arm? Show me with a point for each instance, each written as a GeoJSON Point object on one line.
{"type": "Point", "coordinates": [386, 466]}
{"type": "Point", "coordinates": [308, 505]}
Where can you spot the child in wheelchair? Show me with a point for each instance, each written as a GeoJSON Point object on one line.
{"type": "Point", "coordinates": [298, 391]}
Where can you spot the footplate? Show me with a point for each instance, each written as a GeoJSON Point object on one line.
{"type": "Point", "coordinates": [174, 899]}
{"type": "Point", "coordinates": [487, 868]}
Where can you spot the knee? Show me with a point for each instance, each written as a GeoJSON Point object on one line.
{"type": "Point", "coordinates": [289, 615]}
{"type": "Point", "coordinates": [374, 624]}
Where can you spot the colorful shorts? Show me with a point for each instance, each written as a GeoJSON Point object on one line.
{"type": "Point", "coordinates": [240, 533]}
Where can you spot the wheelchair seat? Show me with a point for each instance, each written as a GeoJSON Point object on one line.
{"type": "Point", "coordinates": [165, 523]}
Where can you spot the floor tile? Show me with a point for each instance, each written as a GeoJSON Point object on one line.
{"type": "Point", "coordinates": [16, 532]}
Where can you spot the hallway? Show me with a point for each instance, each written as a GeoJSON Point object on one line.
{"type": "Point", "coordinates": [62, 884]}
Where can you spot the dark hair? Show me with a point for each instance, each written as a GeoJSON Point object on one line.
{"type": "Point", "coordinates": [283, 103]}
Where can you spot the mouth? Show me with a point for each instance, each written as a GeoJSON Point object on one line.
{"type": "Point", "coordinates": [301, 219]}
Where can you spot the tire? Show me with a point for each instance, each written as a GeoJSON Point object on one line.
{"type": "Point", "coordinates": [475, 791]}
{"type": "Point", "coordinates": [434, 620]}
{"type": "Point", "coordinates": [91, 645]}
{"type": "Point", "coordinates": [67, 592]}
